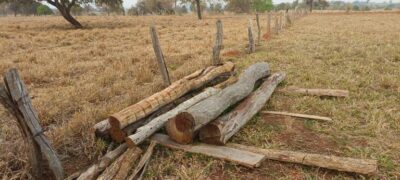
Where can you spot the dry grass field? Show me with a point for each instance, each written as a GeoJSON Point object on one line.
{"type": "Point", "coordinates": [78, 77]}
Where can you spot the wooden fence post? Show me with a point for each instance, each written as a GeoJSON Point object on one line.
{"type": "Point", "coordinates": [159, 56]}
{"type": "Point", "coordinates": [252, 46]}
{"type": "Point", "coordinates": [276, 25]}
{"type": "Point", "coordinates": [280, 22]}
{"type": "Point", "coordinates": [14, 96]}
{"type": "Point", "coordinates": [218, 44]}
{"type": "Point", "coordinates": [288, 20]}
{"type": "Point", "coordinates": [269, 23]}
{"type": "Point", "coordinates": [259, 29]}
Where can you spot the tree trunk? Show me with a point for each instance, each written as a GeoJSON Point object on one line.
{"type": "Point", "coordinates": [242, 157]}
{"type": "Point", "coordinates": [65, 11]}
{"type": "Point", "coordinates": [198, 5]}
{"type": "Point", "coordinates": [362, 166]}
{"type": "Point", "coordinates": [133, 113]}
{"type": "Point", "coordinates": [222, 129]}
{"type": "Point", "coordinates": [149, 129]}
{"type": "Point", "coordinates": [182, 127]}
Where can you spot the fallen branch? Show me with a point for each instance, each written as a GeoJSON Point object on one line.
{"type": "Point", "coordinates": [137, 174]}
{"type": "Point", "coordinates": [153, 126]}
{"type": "Point", "coordinates": [245, 158]}
{"type": "Point", "coordinates": [318, 92]}
{"type": "Point", "coordinates": [93, 171]}
{"type": "Point", "coordinates": [119, 169]}
{"type": "Point", "coordinates": [362, 166]}
{"type": "Point", "coordinates": [298, 115]}
{"type": "Point", "coordinates": [133, 113]}
{"type": "Point", "coordinates": [182, 127]}
{"type": "Point", "coordinates": [219, 131]}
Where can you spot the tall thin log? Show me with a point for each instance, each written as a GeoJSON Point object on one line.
{"type": "Point", "coordinates": [159, 56]}
{"type": "Point", "coordinates": [93, 171]}
{"type": "Point", "coordinates": [119, 169]}
{"type": "Point", "coordinates": [140, 168]}
{"type": "Point", "coordinates": [362, 166]}
{"type": "Point", "coordinates": [218, 44]}
{"type": "Point", "coordinates": [149, 129]}
{"type": "Point", "coordinates": [143, 108]}
{"type": "Point", "coordinates": [258, 29]}
{"type": "Point", "coordinates": [28, 116]}
{"type": "Point", "coordinates": [222, 129]}
{"type": "Point", "coordinates": [252, 45]}
{"type": "Point", "coordinates": [245, 158]}
{"type": "Point", "coordinates": [183, 127]}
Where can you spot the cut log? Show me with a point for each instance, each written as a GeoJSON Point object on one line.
{"type": "Point", "coordinates": [139, 170]}
{"type": "Point", "coordinates": [119, 169]}
{"type": "Point", "coordinates": [28, 117]}
{"type": "Point", "coordinates": [149, 129]}
{"type": "Point", "coordinates": [93, 171]}
{"type": "Point", "coordinates": [219, 131]}
{"type": "Point", "coordinates": [183, 127]}
{"type": "Point", "coordinates": [362, 166]}
{"type": "Point", "coordinates": [245, 158]}
{"type": "Point", "coordinates": [318, 92]}
{"type": "Point", "coordinates": [218, 44]}
{"type": "Point", "coordinates": [133, 113]}
{"type": "Point", "coordinates": [299, 115]}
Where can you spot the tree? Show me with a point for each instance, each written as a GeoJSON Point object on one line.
{"type": "Point", "coordinates": [114, 6]}
{"type": "Point", "coordinates": [310, 3]}
{"type": "Point", "coordinates": [262, 5]}
{"type": "Point", "coordinates": [43, 10]}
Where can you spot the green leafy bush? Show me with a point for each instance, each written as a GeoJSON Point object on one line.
{"type": "Point", "coordinates": [43, 10]}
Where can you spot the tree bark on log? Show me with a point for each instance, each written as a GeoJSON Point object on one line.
{"type": "Point", "coordinates": [119, 169]}
{"type": "Point", "coordinates": [93, 171]}
{"type": "Point", "coordinates": [182, 127]}
{"type": "Point", "coordinates": [362, 166]}
{"type": "Point", "coordinates": [140, 168]}
{"type": "Point", "coordinates": [242, 157]}
{"type": "Point", "coordinates": [133, 113]}
{"type": "Point", "coordinates": [222, 129]}
{"type": "Point", "coordinates": [149, 129]}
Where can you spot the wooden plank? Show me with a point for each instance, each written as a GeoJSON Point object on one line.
{"type": "Point", "coordinates": [28, 116]}
{"type": "Point", "coordinates": [157, 123]}
{"type": "Point", "coordinates": [223, 128]}
{"type": "Point", "coordinates": [218, 43]}
{"type": "Point", "coordinates": [159, 56]}
{"type": "Point", "coordinates": [136, 112]}
{"type": "Point", "coordinates": [317, 92]}
{"type": "Point", "coordinates": [184, 126]}
{"type": "Point", "coordinates": [241, 157]}
{"type": "Point", "coordinates": [139, 170]}
{"type": "Point", "coordinates": [362, 166]}
{"type": "Point", "coordinates": [321, 118]}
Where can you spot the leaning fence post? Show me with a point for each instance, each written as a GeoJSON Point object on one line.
{"type": "Point", "coordinates": [159, 56]}
{"type": "Point", "coordinates": [252, 46]}
{"type": "Point", "coordinates": [218, 44]}
{"type": "Point", "coordinates": [259, 29]}
{"type": "Point", "coordinates": [14, 96]}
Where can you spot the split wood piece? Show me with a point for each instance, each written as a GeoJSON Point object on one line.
{"type": "Point", "coordinates": [362, 166]}
{"type": "Point", "coordinates": [149, 129]}
{"type": "Point", "coordinates": [258, 29]}
{"type": "Point", "coordinates": [93, 171]}
{"type": "Point", "coordinates": [299, 115]}
{"type": "Point", "coordinates": [242, 157]}
{"type": "Point", "coordinates": [139, 170]}
{"type": "Point", "coordinates": [133, 113]}
{"type": "Point", "coordinates": [252, 45]}
{"type": "Point", "coordinates": [269, 24]}
{"type": "Point", "coordinates": [119, 169]}
{"type": "Point", "coordinates": [318, 92]}
{"type": "Point", "coordinates": [29, 122]}
{"type": "Point", "coordinates": [159, 56]}
{"type": "Point", "coordinates": [220, 130]}
{"type": "Point", "coordinates": [182, 127]}
{"type": "Point", "coordinates": [218, 44]}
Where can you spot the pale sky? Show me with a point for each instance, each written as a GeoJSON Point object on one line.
{"type": "Point", "coordinates": [130, 3]}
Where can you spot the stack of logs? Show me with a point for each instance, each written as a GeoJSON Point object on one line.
{"type": "Point", "coordinates": [196, 106]}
